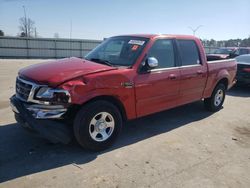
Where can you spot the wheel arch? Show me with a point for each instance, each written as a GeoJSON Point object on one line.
{"type": "Point", "coordinates": [222, 77]}
{"type": "Point", "coordinates": [224, 81]}
{"type": "Point", "coordinates": [112, 100]}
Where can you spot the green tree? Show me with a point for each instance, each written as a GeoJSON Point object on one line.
{"type": "Point", "coordinates": [245, 42]}
{"type": "Point", "coordinates": [1, 33]}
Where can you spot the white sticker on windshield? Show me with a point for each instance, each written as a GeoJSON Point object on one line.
{"type": "Point", "coordinates": [138, 42]}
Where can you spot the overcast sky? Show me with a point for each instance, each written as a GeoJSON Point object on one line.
{"type": "Point", "coordinates": [93, 19]}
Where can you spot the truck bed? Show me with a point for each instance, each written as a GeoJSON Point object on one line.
{"type": "Point", "coordinates": [218, 68]}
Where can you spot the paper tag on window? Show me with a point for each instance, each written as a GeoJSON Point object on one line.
{"type": "Point", "coordinates": [134, 47]}
{"type": "Point", "coordinates": [138, 42]}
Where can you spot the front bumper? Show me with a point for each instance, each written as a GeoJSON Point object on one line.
{"type": "Point", "coordinates": [42, 111]}
{"type": "Point", "coordinates": [38, 119]}
{"type": "Point", "coordinates": [47, 112]}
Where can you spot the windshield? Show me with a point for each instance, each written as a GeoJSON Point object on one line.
{"type": "Point", "coordinates": [118, 51]}
{"type": "Point", "coordinates": [223, 51]}
{"type": "Point", "coordinates": [243, 59]}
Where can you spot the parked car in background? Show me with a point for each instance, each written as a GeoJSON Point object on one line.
{"type": "Point", "coordinates": [243, 69]}
{"type": "Point", "coordinates": [124, 78]}
{"type": "Point", "coordinates": [227, 52]}
{"type": "Point", "coordinates": [240, 51]}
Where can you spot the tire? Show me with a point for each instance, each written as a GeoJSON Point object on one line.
{"type": "Point", "coordinates": [97, 125]}
{"type": "Point", "coordinates": [215, 102]}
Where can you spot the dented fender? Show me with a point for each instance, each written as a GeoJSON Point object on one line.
{"type": "Point", "coordinates": [113, 85]}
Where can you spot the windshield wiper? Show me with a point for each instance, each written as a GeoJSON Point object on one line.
{"type": "Point", "coordinates": [102, 61]}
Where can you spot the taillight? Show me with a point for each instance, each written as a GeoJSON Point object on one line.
{"type": "Point", "coordinates": [246, 69]}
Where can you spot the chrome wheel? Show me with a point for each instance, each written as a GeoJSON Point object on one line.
{"type": "Point", "coordinates": [218, 98]}
{"type": "Point", "coordinates": [101, 126]}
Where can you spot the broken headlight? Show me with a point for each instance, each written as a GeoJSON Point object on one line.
{"type": "Point", "coordinates": [51, 95]}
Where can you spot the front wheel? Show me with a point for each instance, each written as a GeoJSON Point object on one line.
{"type": "Point", "coordinates": [97, 125]}
{"type": "Point", "coordinates": [215, 102]}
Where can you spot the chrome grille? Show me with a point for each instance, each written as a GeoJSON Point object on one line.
{"type": "Point", "coordinates": [23, 89]}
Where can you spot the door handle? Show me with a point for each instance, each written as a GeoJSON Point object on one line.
{"type": "Point", "coordinates": [172, 76]}
{"type": "Point", "coordinates": [199, 72]}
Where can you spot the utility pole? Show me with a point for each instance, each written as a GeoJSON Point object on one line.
{"type": "Point", "coordinates": [70, 35]}
{"type": "Point", "coordinates": [195, 29]}
{"type": "Point", "coordinates": [25, 18]}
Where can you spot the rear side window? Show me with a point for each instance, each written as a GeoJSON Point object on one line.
{"type": "Point", "coordinates": [163, 51]}
{"type": "Point", "coordinates": [189, 52]}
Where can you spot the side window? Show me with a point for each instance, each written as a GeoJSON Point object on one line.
{"type": "Point", "coordinates": [189, 52]}
{"type": "Point", "coordinates": [163, 51]}
{"type": "Point", "coordinates": [243, 51]}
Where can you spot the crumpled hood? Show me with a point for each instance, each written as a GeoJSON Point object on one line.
{"type": "Point", "coordinates": [56, 72]}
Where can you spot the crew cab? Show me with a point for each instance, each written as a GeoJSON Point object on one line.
{"type": "Point", "coordinates": [124, 78]}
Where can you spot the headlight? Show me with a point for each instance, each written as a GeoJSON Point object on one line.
{"type": "Point", "coordinates": [53, 95]}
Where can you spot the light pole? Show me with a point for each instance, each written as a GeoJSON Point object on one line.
{"type": "Point", "coordinates": [195, 29]}
{"type": "Point", "coordinates": [25, 21]}
{"type": "Point", "coordinates": [70, 35]}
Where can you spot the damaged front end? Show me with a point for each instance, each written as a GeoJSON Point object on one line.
{"type": "Point", "coordinates": [40, 109]}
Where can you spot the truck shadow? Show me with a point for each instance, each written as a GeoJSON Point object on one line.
{"type": "Point", "coordinates": [23, 154]}
{"type": "Point", "coordinates": [239, 91]}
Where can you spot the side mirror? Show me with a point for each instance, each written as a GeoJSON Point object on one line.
{"type": "Point", "coordinates": [151, 62]}
{"type": "Point", "coordinates": [231, 54]}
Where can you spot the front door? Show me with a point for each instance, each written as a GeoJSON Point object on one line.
{"type": "Point", "coordinates": [158, 89]}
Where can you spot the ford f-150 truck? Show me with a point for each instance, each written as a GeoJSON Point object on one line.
{"type": "Point", "coordinates": [124, 78]}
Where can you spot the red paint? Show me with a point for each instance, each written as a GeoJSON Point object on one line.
{"type": "Point", "coordinates": [54, 73]}
{"type": "Point", "coordinates": [151, 92]}
{"type": "Point", "coordinates": [246, 69]}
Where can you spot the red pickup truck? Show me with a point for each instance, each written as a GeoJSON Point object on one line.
{"type": "Point", "coordinates": [124, 78]}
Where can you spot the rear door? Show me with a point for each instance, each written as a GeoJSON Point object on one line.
{"type": "Point", "coordinates": [193, 72]}
{"type": "Point", "coordinates": [158, 89]}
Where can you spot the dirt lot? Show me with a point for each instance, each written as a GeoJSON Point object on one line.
{"type": "Point", "coordinates": [183, 147]}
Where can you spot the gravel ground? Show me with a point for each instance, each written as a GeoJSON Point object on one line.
{"type": "Point", "coordinates": [182, 147]}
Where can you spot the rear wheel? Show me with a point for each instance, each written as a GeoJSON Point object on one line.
{"type": "Point", "coordinates": [215, 102]}
{"type": "Point", "coordinates": [97, 125]}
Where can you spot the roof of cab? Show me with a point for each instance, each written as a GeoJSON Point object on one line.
{"type": "Point", "coordinates": [151, 36]}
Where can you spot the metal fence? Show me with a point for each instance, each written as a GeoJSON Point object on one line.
{"type": "Point", "coordinates": [209, 49]}
{"type": "Point", "coordinates": [17, 47]}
